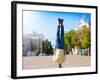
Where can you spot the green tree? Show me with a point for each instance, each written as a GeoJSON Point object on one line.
{"type": "Point", "coordinates": [68, 36]}
{"type": "Point", "coordinates": [85, 37]}
{"type": "Point", "coordinates": [79, 38]}
{"type": "Point", "coordinates": [47, 47]}
{"type": "Point", "coordinates": [76, 39]}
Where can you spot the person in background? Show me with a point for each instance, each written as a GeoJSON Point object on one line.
{"type": "Point", "coordinates": [59, 55]}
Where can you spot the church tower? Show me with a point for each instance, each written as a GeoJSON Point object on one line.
{"type": "Point", "coordinates": [83, 23]}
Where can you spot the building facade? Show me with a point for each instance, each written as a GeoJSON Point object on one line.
{"type": "Point", "coordinates": [32, 44]}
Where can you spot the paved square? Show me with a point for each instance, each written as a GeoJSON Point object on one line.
{"type": "Point", "coordinates": [44, 62]}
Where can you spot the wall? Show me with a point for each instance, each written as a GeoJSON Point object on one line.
{"type": "Point", "coordinates": [5, 40]}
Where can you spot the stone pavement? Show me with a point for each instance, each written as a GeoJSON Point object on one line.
{"type": "Point", "coordinates": [44, 62]}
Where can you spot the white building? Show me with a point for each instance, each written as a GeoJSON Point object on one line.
{"type": "Point", "coordinates": [83, 23]}
{"type": "Point", "coordinates": [34, 40]}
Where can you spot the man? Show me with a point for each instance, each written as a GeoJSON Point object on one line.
{"type": "Point", "coordinates": [59, 55]}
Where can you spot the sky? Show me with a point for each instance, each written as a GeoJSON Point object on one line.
{"type": "Point", "coordinates": [46, 22]}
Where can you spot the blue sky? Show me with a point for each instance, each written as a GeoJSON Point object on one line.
{"type": "Point", "coordinates": [43, 22]}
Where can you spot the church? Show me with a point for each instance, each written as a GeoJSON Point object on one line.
{"type": "Point", "coordinates": [82, 23]}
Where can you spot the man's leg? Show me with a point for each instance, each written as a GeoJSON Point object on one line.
{"type": "Point", "coordinates": [62, 37]}
{"type": "Point", "coordinates": [58, 37]}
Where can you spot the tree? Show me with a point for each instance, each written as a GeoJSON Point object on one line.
{"type": "Point", "coordinates": [85, 37]}
{"type": "Point", "coordinates": [79, 38]}
{"type": "Point", "coordinates": [47, 47]}
{"type": "Point", "coordinates": [76, 39]}
{"type": "Point", "coordinates": [68, 36]}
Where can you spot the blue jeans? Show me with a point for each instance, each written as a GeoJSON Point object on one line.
{"type": "Point", "coordinates": [60, 38]}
